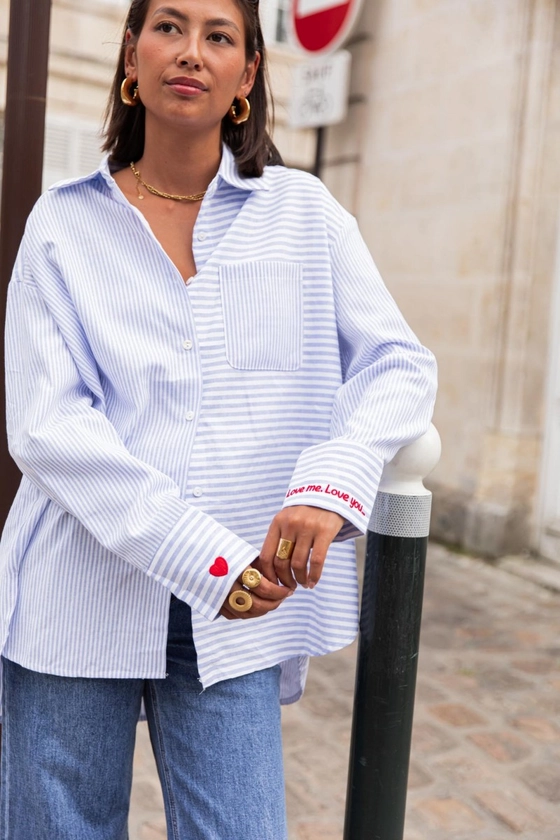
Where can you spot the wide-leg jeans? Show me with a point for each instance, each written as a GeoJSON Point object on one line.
{"type": "Point", "coordinates": [68, 743]}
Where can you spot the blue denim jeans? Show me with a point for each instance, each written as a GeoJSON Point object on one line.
{"type": "Point", "coordinates": [68, 743]}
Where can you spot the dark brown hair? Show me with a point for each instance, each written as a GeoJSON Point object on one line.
{"type": "Point", "coordinates": [250, 142]}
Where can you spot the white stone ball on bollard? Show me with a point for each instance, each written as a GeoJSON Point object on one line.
{"type": "Point", "coordinates": [405, 474]}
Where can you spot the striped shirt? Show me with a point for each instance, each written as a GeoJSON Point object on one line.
{"type": "Point", "coordinates": [160, 425]}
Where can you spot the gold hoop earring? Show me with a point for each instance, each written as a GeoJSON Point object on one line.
{"type": "Point", "coordinates": [127, 97]}
{"type": "Point", "coordinates": [239, 114]}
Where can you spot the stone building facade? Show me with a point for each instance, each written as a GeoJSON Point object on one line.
{"type": "Point", "coordinates": [84, 37]}
{"type": "Point", "coordinates": [449, 158]}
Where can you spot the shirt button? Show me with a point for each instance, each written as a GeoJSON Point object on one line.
{"type": "Point", "coordinates": [202, 236]}
{"type": "Point", "coordinates": [188, 281]}
{"type": "Point", "coordinates": [189, 415]}
{"type": "Point", "coordinates": [187, 344]}
{"type": "Point", "coordinates": [197, 492]}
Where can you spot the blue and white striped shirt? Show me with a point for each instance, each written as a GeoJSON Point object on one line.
{"type": "Point", "coordinates": [160, 425]}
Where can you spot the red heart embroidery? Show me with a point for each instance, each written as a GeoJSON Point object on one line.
{"type": "Point", "coordinates": [219, 568]}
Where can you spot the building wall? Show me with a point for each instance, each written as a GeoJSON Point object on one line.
{"type": "Point", "coordinates": [83, 47]}
{"type": "Point", "coordinates": [449, 159]}
{"type": "Point", "coordinates": [450, 162]}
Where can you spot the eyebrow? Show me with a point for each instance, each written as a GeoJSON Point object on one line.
{"type": "Point", "coordinates": [171, 12]}
{"type": "Point", "coordinates": [168, 10]}
{"type": "Point", "coordinates": [222, 22]}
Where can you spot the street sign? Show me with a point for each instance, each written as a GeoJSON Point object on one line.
{"type": "Point", "coordinates": [321, 26]}
{"type": "Point", "coordinates": [320, 91]}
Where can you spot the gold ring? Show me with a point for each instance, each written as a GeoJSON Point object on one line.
{"type": "Point", "coordinates": [251, 578]}
{"type": "Point", "coordinates": [285, 549]}
{"type": "Point", "coordinates": [240, 601]}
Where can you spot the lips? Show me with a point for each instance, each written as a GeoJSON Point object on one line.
{"type": "Point", "coordinates": [187, 85]}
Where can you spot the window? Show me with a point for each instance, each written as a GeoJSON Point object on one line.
{"type": "Point", "coordinates": [275, 18]}
{"type": "Point", "coordinates": [71, 150]}
{"type": "Point", "coordinates": [282, 20]}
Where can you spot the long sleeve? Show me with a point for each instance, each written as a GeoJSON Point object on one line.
{"type": "Point", "coordinates": [386, 399]}
{"type": "Point", "coordinates": [64, 443]}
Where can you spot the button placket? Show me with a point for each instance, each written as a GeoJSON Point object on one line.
{"type": "Point", "coordinates": [200, 232]}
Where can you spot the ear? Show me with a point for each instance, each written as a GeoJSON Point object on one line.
{"type": "Point", "coordinates": [130, 65]}
{"type": "Point", "coordinates": [249, 76]}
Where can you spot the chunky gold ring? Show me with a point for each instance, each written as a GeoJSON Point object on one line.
{"type": "Point", "coordinates": [240, 601]}
{"type": "Point", "coordinates": [251, 578]}
{"type": "Point", "coordinates": [285, 549]}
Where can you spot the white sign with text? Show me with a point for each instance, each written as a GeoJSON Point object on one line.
{"type": "Point", "coordinates": [320, 91]}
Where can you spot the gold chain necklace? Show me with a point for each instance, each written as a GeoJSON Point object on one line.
{"type": "Point", "coordinates": [153, 191]}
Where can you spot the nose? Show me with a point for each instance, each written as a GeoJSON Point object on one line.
{"type": "Point", "coordinates": [190, 55]}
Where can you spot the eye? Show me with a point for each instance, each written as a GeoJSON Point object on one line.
{"type": "Point", "coordinates": [220, 38]}
{"type": "Point", "coordinates": [166, 27]}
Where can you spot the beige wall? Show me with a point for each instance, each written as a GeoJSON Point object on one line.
{"type": "Point", "coordinates": [457, 191]}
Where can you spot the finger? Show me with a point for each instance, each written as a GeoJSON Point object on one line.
{"type": "Point", "coordinates": [271, 591]}
{"type": "Point", "coordinates": [283, 569]}
{"type": "Point", "coordinates": [266, 569]}
{"type": "Point", "coordinates": [226, 609]}
{"type": "Point", "coordinates": [317, 561]}
{"type": "Point", "coordinates": [258, 610]}
{"type": "Point", "coordinates": [261, 606]}
{"type": "Point", "coordinates": [268, 552]}
{"type": "Point", "coordinates": [300, 559]}
{"type": "Point", "coordinates": [228, 613]}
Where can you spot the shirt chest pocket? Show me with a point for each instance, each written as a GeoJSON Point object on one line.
{"type": "Point", "coordinates": [263, 315]}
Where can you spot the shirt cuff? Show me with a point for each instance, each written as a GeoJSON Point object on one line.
{"type": "Point", "coordinates": [200, 560]}
{"type": "Point", "coordinates": [341, 476]}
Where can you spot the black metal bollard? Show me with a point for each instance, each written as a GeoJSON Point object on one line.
{"type": "Point", "coordinates": [397, 542]}
{"type": "Point", "coordinates": [26, 91]}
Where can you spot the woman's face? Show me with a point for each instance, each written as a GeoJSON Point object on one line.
{"type": "Point", "coordinates": [190, 61]}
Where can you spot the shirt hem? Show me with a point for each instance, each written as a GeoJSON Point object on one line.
{"type": "Point", "coordinates": [71, 672]}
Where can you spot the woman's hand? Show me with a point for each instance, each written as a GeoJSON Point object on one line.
{"type": "Point", "coordinates": [266, 597]}
{"type": "Point", "coordinates": [312, 529]}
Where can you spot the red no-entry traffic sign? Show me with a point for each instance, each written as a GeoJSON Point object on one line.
{"type": "Point", "coordinates": [321, 26]}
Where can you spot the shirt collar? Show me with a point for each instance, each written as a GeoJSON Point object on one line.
{"type": "Point", "coordinates": [228, 173]}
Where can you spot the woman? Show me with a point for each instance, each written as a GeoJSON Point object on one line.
{"type": "Point", "coordinates": [205, 378]}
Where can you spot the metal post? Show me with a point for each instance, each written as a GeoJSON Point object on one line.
{"type": "Point", "coordinates": [388, 651]}
{"type": "Point", "coordinates": [319, 150]}
{"type": "Point", "coordinates": [28, 53]}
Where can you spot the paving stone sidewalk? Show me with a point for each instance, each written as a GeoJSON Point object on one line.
{"type": "Point", "coordinates": [486, 748]}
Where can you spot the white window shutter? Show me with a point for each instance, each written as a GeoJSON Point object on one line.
{"type": "Point", "coordinates": [71, 149]}
{"type": "Point", "coordinates": [269, 13]}
{"type": "Point", "coordinates": [58, 153]}
{"type": "Point", "coordinates": [274, 20]}
{"type": "Point", "coordinates": [89, 150]}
